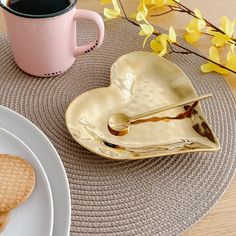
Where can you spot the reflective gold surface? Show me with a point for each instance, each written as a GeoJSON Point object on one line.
{"type": "Point", "coordinates": [140, 81]}
{"type": "Point", "coordinates": [119, 123]}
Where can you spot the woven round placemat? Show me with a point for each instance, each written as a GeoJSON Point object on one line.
{"type": "Point", "coordinates": [159, 196]}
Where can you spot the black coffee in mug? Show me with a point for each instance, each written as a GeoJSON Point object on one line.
{"type": "Point", "coordinates": [38, 7]}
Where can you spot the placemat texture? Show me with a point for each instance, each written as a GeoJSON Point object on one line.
{"type": "Point", "coordinates": [159, 196]}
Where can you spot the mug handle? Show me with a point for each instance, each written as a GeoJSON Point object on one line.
{"type": "Point", "coordinates": [97, 19]}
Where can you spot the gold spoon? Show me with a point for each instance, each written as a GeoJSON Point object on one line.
{"type": "Point", "coordinates": [119, 123]}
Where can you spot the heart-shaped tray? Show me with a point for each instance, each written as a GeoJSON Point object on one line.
{"type": "Point", "coordinates": [140, 81]}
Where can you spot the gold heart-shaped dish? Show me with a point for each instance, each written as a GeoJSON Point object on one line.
{"type": "Point", "coordinates": [140, 81]}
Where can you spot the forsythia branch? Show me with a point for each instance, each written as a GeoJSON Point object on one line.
{"type": "Point", "coordinates": [180, 7]}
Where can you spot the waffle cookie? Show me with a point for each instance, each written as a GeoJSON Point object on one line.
{"type": "Point", "coordinates": [4, 217]}
{"type": "Point", "coordinates": [17, 180]}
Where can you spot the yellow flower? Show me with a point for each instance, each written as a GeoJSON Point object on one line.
{"type": "Point", "coordinates": [171, 2]}
{"type": "Point", "coordinates": [104, 2]}
{"type": "Point", "coordinates": [159, 45]}
{"type": "Point", "coordinates": [219, 39]}
{"type": "Point", "coordinates": [231, 58]}
{"type": "Point", "coordinates": [146, 5]}
{"type": "Point", "coordinates": [112, 13]}
{"type": "Point", "coordinates": [209, 67]}
{"type": "Point", "coordinates": [192, 37]}
{"type": "Point", "coordinates": [172, 35]}
{"type": "Point", "coordinates": [159, 3]}
{"type": "Point", "coordinates": [146, 30]}
{"type": "Point", "coordinates": [194, 28]}
{"type": "Point", "coordinates": [227, 26]}
{"type": "Point", "coordinates": [142, 11]}
{"type": "Point", "coordinates": [148, 2]}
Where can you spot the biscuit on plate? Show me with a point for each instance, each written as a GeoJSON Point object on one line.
{"type": "Point", "coordinates": [17, 178]}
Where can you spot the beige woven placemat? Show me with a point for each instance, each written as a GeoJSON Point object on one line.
{"type": "Point", "coordinates": [160, 196]}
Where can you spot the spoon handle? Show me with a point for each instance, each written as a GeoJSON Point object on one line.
{"type": "Point", "coordinates": [171, 106]}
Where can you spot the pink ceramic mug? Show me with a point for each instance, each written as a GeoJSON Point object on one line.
{"type": "Point", "coordinates": [45, 45]}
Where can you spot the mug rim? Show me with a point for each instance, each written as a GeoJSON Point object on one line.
{"type": "Point", "coordinates": [72, 5]}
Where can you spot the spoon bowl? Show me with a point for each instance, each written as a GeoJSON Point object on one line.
{"type": "Point", "coordinates": [119, 123]}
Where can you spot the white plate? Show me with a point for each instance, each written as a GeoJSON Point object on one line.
{"type": "Point", "coordinates": [35, 216]}
{"type": "Point", "coordinates": [51, 162]}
